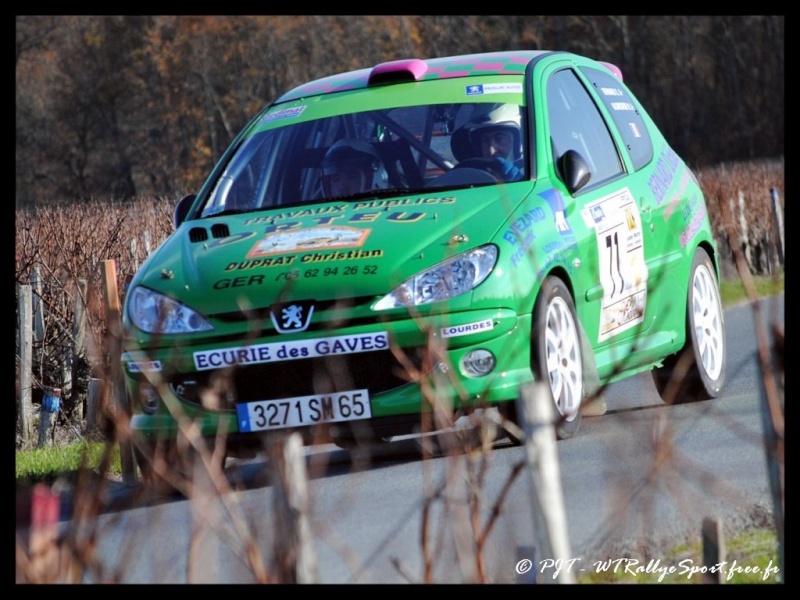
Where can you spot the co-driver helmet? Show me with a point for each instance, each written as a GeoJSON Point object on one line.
{"type": "Point", "coordinates": [495, 116]}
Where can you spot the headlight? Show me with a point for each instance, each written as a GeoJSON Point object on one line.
{"type": "Point", "coordinates": [448, 279]}
{"type": "Point", "coordinates": [156, 313]}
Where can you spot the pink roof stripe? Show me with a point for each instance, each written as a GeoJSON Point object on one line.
{"type": "Point", "coordinates": [497, 63]}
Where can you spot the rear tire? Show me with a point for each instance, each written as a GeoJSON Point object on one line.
{"type": "Point", "coordinates": [556, 353]}
{"type": "Point", "coordinates": [697, 371]}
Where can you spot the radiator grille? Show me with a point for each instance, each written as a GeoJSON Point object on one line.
{"type": "Point", "coordinates": [375, 371]}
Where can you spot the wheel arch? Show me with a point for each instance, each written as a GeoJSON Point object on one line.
{"type": "Point", "coordinates": [559, 272]}
{"type": "Point", "coordinates": [712, 254]}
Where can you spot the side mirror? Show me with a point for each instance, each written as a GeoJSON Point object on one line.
{"type": "Point", "coordinates": [182, 209]}
{"type": "Point", "coordinates": [574, 170]}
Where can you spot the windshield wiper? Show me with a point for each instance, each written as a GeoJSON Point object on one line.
{"type": "Point", "coordinates": [228, 211]}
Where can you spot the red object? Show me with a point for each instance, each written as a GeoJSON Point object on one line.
{"type": "Point", "coordinates": [45, 506]}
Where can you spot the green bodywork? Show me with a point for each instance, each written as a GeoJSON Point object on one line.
{"type": "Point", "coordinates": [539, 228]}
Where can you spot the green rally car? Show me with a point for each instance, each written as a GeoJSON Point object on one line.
{"type": "Point", "coordinates": [383, 250]}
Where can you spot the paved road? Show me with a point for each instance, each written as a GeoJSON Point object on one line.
{"type": "Point", "coordinates": [635, 481]}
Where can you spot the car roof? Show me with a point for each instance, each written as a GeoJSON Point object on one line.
{"type": "Point", "coordinates": [511, 62]}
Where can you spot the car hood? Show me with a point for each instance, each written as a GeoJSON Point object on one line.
{"type": "Point", "coordinates": [324, 251]}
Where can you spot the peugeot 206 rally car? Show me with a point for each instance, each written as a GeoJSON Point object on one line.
{"type": "Point", "coordinates": [425, 237]}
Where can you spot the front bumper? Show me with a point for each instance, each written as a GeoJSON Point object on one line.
{"type": "Point", "coordinates": [421, 368]}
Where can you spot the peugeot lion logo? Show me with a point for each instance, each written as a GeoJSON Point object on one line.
{"type": "Point", "coordinates": [291, 317]}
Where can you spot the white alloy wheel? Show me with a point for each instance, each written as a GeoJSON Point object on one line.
{"type": "Point", "coordinates": [556, 353]}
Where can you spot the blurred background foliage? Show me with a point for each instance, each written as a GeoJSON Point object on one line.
{"type": "Point", "coordinates": [119, 107]}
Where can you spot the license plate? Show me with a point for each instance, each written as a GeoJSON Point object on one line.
{"type": "Point", "coordinates": [301, 411]}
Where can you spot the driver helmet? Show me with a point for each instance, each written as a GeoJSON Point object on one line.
{"type": "Point", "coordinates": [352, 166]}
{"type": "Point", "coordinates": [496, 117]}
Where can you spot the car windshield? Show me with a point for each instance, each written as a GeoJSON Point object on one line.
{"type": "Point", "coordinates": [377, 153]}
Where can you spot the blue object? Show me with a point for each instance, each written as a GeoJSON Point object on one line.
{"type": "Point", "coordinates": [52, 401]}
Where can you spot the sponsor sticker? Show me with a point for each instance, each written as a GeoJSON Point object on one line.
{"type": "Point", "coordinates": [279, 351]}
{"type": "Point", "coordinates": [623, 272]}
{"type": "Point", "coordinates": [286, 113]}
{"type": "Point", "coordinates": [466, 329]}
{"type": "Point", "coordinates": [622, 106]}
{"type": "Point", "coordinates": [478, 89]}
{"type": "Point", "coordinates": [313, 238]}
{"type": "Point", "coordinates": [144, 366]}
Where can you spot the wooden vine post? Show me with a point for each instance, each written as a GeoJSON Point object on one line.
{"type": "Point", "coordinates": [25, 373]}
{"type": "Point", "coordinates": [120, 409]}
{"type": "Point", "coordinates": [78, 343]}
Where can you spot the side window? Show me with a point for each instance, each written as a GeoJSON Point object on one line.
{"type": "Point", "coordinates": [576, 124]}
{"type": "Point", "coordinates": [626, 114]}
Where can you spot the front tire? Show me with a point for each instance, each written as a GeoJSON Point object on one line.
{"type": "Point", "coordinates": [697, 372]}
{"type": "Point", "coordinates": [556, 353]}
{"type": "Point", "coordinates": [177, 464]}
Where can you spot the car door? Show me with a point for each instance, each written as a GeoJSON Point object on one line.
{"type": "Point", "coordinates": [611, 279]}
{"type": "Point", "coordinates": [664, 188]}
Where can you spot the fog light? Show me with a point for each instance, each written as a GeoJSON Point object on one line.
{"type": "Point", "coordinates": [478, 363]}
{"type": "Point", "coordinates": [148, 399]}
